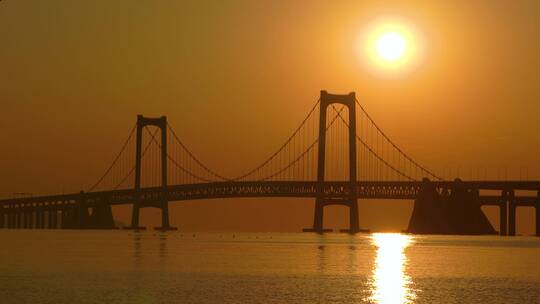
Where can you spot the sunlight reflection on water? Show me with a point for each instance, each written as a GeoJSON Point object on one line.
{"type": "Point", "coordinates": [390, 283]}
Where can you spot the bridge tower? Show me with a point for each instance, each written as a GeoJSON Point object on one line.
{"type": "Point", "coordinates": [350, 199]}
{"type": "Point", "coordinates": [162, 202]}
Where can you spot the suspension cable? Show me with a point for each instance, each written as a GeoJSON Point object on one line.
{"type": "Point", "coordinates": [153, 139]}
{"type": "Point", "coordinates": [142, 156]}
{"type": "Point", "coordinates": [306, 151]}
{"type": "Point", "coordinates": [283, 146]}
{"type": "Point", "coordinates": [200, 163]}
{"type": "Point", "coordinates": [394, 145]}
{"type": "Point", "coordinates": [115, 160]}
{"type": "Point", "coordinates": [371, 150]}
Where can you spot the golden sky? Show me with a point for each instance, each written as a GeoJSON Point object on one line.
{"type": "Point", "coordinates": [74, 74]}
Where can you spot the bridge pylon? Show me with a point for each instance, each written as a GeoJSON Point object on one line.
{"type": "Point", "coordinates": [162, 202]}
{"type": "Point", "coordinates": [350, 199]}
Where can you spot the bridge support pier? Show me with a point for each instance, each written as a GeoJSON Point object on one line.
{"type": "Point", "coordinates": [23, 219]}
{"type": "Point", "coordinates": [8, 219]}
{"type": "Point", "coordinates": [26, 219]}
{"type": "Point", "coordinates": [69, 217]}
{"type": "Point", "coordinates": [537, 218]}
{"type": "Point", "coordinates": [503, 214]}
{"type": "Point", "coordinates": [64, 218]}
{"type": "Point", "coordinates": [18, 219]}
{"type": "Point", "coordinates": [39, 219]}
{"type": "Point", "coordinates": [11, 218]}
{"type": "Point", "coordinates": [42, 215]}
{"type": "Point", "coordinates": [319, 216]}
{"type": "Point", "coordinates": [15, 219]}
{"type": "Point", "coordinates": [30, 217]}
{"type": "Point", "coordinates": [511, 214]}
{"type": "Point", "coordinates": [52, 219]}
{"type": "Point", "coordinates": [102, 218]}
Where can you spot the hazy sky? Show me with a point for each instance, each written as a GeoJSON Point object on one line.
{"type": "Point", "coordinates": [236, 77]}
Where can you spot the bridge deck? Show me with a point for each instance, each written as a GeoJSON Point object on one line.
{"type": "Point", "coordinates": [307, 189]}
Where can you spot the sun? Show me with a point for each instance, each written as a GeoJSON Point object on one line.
{"type": "Point", "coordinates": [391, 46]}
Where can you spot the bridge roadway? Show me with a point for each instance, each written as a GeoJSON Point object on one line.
{"type": "Point", "coordinates": [404, 190]}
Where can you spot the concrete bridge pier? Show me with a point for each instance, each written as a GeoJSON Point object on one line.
{"type": "Point", "coordinates": [13, 216]}
{"type": "Point", "coordinates": [22, 214]}
{"type": "Point", "coordinates": [52, 218]}
{"type": "Point", "coordinates": [18, 220]}
{"type": "Point", "coordinates": [537, 218]}
{"type": "Point", "coordinates": [503, 214]}
{"type": "Point", "coordinates": [63, 218]}
{"type": "Point", "coordinates": [39, 219]}
{"type": "Point", "coordinates": [67, 217]}
{"type": "Point", "coordinates": [26, 218]}
{"type": "Point", "coordinates": [56, 219]}
{"type": "Point", "coordinates": [32, 219]}
{"type": "Point", "coordinates": [35, 215]}
{"type": "Point", "coordinates": [22, 217]}
{"type": "Point", "coordinates": [47, 218]}
{"type": "Point", "coordinates": [10, 219]}
{"type": "Point", "coordinates": [42, 217]}
{"type": "Point", "coordinates": [511, 213]}
{"type": "Point", "coordinates": [102, 218]}
{"type": "Point", "coordinates": [354, 226]}
{"type": "Point", "coordinates": [165, 225]}
{"type": "Point", "coordinates": [318, 218]}
{"type": "Point", "coordinates": [76, 216]}
{"type": "Point", "coordinates": [29, 220]}
{"type": "Point", "coordinates": [15, 221]}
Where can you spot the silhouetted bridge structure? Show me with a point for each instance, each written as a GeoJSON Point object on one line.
{"type": "Point", "coordinates": [302, 168]}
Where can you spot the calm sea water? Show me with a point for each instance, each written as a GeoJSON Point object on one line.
{"type": "Point", "coordinates": [152, 267]}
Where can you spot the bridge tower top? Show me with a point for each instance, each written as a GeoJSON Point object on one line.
{"type": "Point", "coordinates": [160, 122]}
{"type": "Point", "coordinates": [327, 99]}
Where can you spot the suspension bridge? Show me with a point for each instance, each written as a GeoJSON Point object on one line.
{"type": "Point", "coordinates": [337, 156]}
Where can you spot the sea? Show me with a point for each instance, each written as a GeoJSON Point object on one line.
{"type": "Point", "coordinates": [64, 266]}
